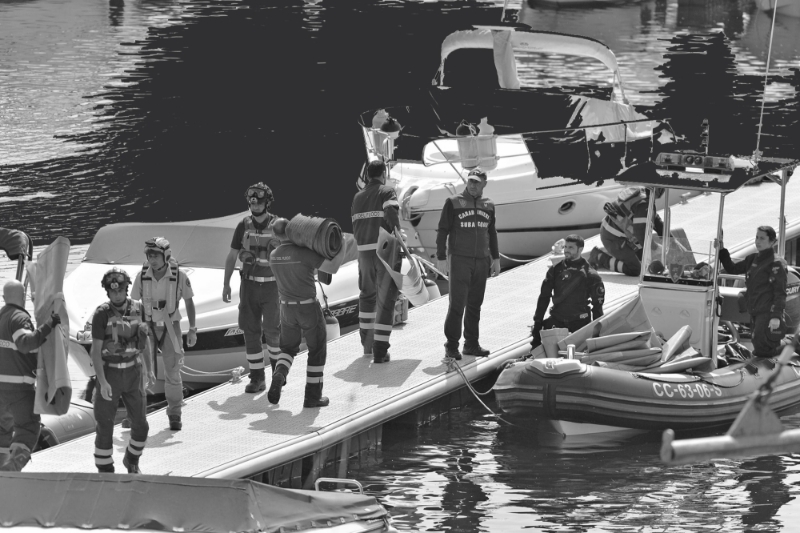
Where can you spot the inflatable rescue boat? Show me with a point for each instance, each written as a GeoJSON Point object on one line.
{"type": "Point", "coordinates": [671, 356]}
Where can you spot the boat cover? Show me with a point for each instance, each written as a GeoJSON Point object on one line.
{"type": "Point", "coordinates": [15, 243]}
{"type": "Point", "coordinates": [196, 244]}
{"type": "Point", "coordinates": [172, 503]}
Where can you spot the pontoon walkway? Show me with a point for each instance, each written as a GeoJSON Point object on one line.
{"type": "Point", "coordinates": [228, 433]}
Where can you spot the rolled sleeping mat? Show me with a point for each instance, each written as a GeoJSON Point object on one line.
{"type": "Point", "coordinates": [323, 235]}
{"type": "Point", "coordinates": [409, 279]}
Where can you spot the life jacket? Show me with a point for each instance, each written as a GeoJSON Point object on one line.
{"type": "Point", "coordinates": [168, 306]}
{"type": "Point", "coordinates": [256, 246]}
{"type": "Point", "coordinates": [622, 223]}
{"type": "Point", "coordinates": [17, 370]}
{"type": "Point", "coordinates": [121, 341]}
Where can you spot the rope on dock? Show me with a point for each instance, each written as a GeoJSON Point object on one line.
{"type": "Point", "coordinates": [452, 365]}
{"type": "Point", "coordinates": [323, 235]}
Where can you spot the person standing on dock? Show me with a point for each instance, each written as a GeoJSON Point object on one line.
{"type": "Point", "coordinates": [572, 284]}
{"type": "Point", "coordinates": [160, 286]}
{"type": "Point", "coordinates": [623, 231]}
{"type": "Point", "coordinates": [373, 208]}
{"type": "Point", "coordinates": [119, 337]}
{"type": "Point", "coordinates": [765, 296]}
{"type": "Point", "coordinates": [301, 315]}
{"type": "Point", "coordinates": [259, 308]}
{"type": "Point", "coordinates": [19, 345]}
{"type": "Point", "coordinates": [466, 249]}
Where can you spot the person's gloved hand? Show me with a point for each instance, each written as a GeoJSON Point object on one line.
{"type": "Point", "coordinates": [536, 333]}
{"type": "Point", "coordinates": [55, 319]}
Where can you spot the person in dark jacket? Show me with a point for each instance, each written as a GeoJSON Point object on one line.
{"type": "Point", "coordinates": [571, 283]}
{"type": "Point", "coordinates": [374, 208]}
{"type": "Point", "coordinates": [19, 344]}
{"type": "Point", "coordinates": [623, 231]}
{"type": "Point", "coordinates": [765, 282]}
{"type": "Point", "coordinates": [466, 249]}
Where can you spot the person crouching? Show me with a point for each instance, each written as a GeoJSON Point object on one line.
{"type": "Point", "coordinates": [119, 337]}
{"type": "Point", "coordinates": [301, 315]}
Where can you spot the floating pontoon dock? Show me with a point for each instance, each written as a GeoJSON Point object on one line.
{"type": "Point", "coordinates": [228, 433]}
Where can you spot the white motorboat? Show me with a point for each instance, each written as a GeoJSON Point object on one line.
{"type": "Point", "coordinates": [557, 151]}
{"type": "Point", "coordinates": [201, 248]}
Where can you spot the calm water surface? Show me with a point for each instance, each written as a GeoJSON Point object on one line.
{"type": "Point", "coordinates": [152, 110]}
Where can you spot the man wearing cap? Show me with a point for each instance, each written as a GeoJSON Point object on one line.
{"type": "Point", "coordinates": [572, 284]}
{"type": "Point", "coordinates": [119, 339]}
{"type": "Point", "coordinates": [466, 248]}
{"type": "Point", "coordinates": [259, 308]}
{"type": "Point", "coordinates": [160, 286]}
{"type": "Point", "coordinates": [19, 346]}
{"type": "Point", "coordinates": [294, 267]}
{"type": "Point", "coordinates": [373, 208]}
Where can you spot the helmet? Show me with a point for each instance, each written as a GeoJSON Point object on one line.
{"type": "Point", "coordinates": [160, 245]}
{"type": "Point", "coordinates": [114, 278]}
{"type": "Point", "coordinates": [260, 191]}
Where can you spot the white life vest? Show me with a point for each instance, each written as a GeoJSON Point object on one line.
{"type": "Point", "coordinates": [160, 310]}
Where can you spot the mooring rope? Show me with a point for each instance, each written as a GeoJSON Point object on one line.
{"type": "Point", "coordinates": [453, 365]}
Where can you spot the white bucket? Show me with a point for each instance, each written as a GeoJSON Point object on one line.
{"type": "Point", "coordinates": [413, 283]}
{"type": "Point", "coordinates": [332, 330]}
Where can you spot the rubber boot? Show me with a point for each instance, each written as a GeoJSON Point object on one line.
{"type": "Point", "coordinates": [257, 381]}
{"type": "Point", "coordinates": [19, 455]}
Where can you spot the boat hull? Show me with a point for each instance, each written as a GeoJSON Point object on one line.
{"type": "Point", "coordinates": [563, 389]}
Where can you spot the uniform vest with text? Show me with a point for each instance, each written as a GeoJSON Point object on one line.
{"type": "Point", "coordinates": [626, 202]}
{"type": "Point", "coordinates": [256, 246]}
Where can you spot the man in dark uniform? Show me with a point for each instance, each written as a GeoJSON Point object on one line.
{"type": "Point", "coordinates": [572, 283]}
{"type": "Point", "coordinates": [373, 208]}
{"type": "Point", "coordinates": [466, 248]}
{"type": "Point", "coordinates": [19, 344]}
{"type": "Point", "coordinates": [623, 231]}
{"type": "Point", "coordinates": [301, 314]}
{"type": "Point", "coordinates": [119, 337]}
{"type": "Point", "coordinates": [765, 282]}
{"type": "Point", "coordinates": [259, 309]}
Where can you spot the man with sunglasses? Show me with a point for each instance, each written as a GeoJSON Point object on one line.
{"type": "Point", "coordinates": [160, 286]}
{"type": "Point", "coordinates": [259, 305]}
{"type": "Point", "coordinates": [373, 208]}
{"type": "Point", "coordinates": [119, 337]}
{"type": "Point", "coordinates": [466, 248]}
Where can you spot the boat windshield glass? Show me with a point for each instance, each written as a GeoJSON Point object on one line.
{"type": "Point", "coordinates": [679, 260]}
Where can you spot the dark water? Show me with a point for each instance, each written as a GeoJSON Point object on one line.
{"type": "Point", "coordinates": [152, 110]}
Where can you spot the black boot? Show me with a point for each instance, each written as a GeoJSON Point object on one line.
{"type": "Point", "coordinates": [274, 392]}
{"type": "Point", "coordinates": [133, 467]}
{"type": "Point", "coordinates": [314, 397]}
{"type": "Point", "coordinates": [257, 381]}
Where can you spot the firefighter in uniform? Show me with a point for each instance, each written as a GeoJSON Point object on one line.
{"type": "Point", "coordinates": [373, 208]}
{"type": "Point", "coordinates": [466, 248]}
{"type": "Point", "coordinates": [259, 309]}
{"type": "Point", "coordinates": [623, 231]}
{"type": "Point", "coordinates": [765, 297]}
{"type": "Point", "coordinates": [160, 286]}
{"type": "Point", "coordinates": [571, 283]}
{"type": "Point", "coordinates": [19, 344]}
{"type": "Point", "coordinates": [119, 343]}
{"type": "Point", "coordinates": [301, 315]}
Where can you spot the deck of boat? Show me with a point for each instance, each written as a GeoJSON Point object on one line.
{"type": "Point", "coordinates": [228, 433]}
